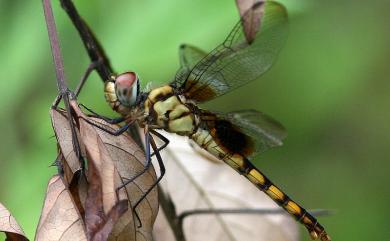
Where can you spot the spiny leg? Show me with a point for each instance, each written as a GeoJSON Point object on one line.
{"type": "Point", "coordinates": [117, 132]}
{"type": "Point", "coordinates": [149, 141]}
{"type": "Point", "coordinates": [162, 138]}
{"type": "Point", "coordinates": [162, 172]}
{"type": "Point", "coordinates": [92, 66]}
{"type": "Point", "coordinates": [148, 161]}
{"type": "Point", "coordinates": [106, 119]}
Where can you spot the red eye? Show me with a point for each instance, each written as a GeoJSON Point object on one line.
{"type": "Point", "coordinates": [126, 80]}
{"type": "Point", "coordinates": [126, 88]}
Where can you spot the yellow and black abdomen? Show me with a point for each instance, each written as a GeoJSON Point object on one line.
{"type": "Point", "coordinates": [254, 175]}
{"type": "Point", "coordinates": [230, 145]}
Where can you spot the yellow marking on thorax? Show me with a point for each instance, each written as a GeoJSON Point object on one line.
{"type": "Point", "coordinates": [170, 113]}
{"type": "Point", "coordinates": [152, 97]}
{"type": "Point", "coordinates": [178, 111]}
{"type": "Point", "coordinates": [162, 107]}
{"type": "Point", "coordinates": [182, 126]}
{"type": "Point", "coordinates": [162, 91]}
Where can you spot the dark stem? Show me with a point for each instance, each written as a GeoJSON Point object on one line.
{"type": "Point", "coordinates": [59, 67]}
{"type": "Point", "coordinates": [168, 207]}
{"type": "Point", "coordinates": [55, 47]}
{"type": "Point", "coordinates": [259, 211]}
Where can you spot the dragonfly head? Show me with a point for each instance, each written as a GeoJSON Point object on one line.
{"type": "Point", "coordinates": [127, 88]}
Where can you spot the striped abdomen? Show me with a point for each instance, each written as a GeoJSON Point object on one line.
{"type": "Point", "coordinates": [242, 165]}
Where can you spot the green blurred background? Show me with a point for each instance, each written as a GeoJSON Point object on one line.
{"type": "Point", "coordinates": [330, 88]}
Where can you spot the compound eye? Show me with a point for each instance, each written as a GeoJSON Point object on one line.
{"type": "Point", "coordinates": [126, 88]}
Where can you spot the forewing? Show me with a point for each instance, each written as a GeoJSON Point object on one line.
{"type": "Point", "coordinates": [261, 130]}
{"type": "Point", "coordinates": [238, 60]}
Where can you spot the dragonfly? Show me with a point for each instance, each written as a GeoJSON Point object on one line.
{"type": "Point", "coordinates": [233, 137]}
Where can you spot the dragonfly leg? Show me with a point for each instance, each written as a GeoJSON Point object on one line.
{"type": "Point", "coordinates": [117, 132]}
{"type": "Point", "coordinates": [92, 66]}
{"type": "Point", "coordinates": [162, 172]}
{"type": "Point", "coordinates": [95, 51]}
{"type": "Point", "coordinates": [162, 138]}
{"type": "Point", "coordinates": [106, 119]}
{"type": "Point", "coordinates": [146, 166]}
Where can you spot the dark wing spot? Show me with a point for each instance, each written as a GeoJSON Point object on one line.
{"type": "Point", "coordinates": [198, 91]}
{"type": "Point", "coordinates": [232, 138]}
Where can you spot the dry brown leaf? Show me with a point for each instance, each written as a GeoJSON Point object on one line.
{"type": "Point", "coordinates": [70, 162]}
{"type": "Point", "coordinates": [116, 159]}
{"type": "Point", "coordinates": [128, 159]}
{"type": "Point", "coordinates": [60, 219]}
{"type": "Point", "coordinates": [252, 20]}
{"type": "Point", "coordinates": [195, 183]}
{"type": "Point", "coordinates": [103, 206]}
{"type": "Point", "coordinates": [10, 227]}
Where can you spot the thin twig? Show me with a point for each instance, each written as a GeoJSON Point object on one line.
{"type": "Point", "coordinates": [59, 68]}
{"type": "Point", "coordinates": [55, 47]}
{"type": "Point", "coordinates": [169, 210]}
{"type": "Point", "coordinates": [256, 211]}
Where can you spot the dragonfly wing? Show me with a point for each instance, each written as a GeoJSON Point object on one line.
{"type": "Point", "coordinates": [238, 60]}
{"type": "Point", "coordinates": [189, 56]}
{"type": "Point", "coordinates": [247, 132]}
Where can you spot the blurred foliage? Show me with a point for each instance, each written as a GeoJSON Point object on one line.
{"type": "Point", "coordinates": [329, 87]}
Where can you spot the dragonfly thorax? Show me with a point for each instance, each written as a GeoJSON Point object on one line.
{"type": "Point", "coordinates": [169, 111]}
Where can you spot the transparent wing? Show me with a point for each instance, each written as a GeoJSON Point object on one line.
{"type": "Point", "coordinates": [189, 56]}
{"type": "Point", "coordinates": [251, 131]}
{"type": "Point", "coordinates": [238, 60]}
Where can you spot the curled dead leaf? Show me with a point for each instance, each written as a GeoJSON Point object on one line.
{"type": "Point", "coordinates": [194, 183]}
{"type": "Point", "coordinates": [69, 162]}
{"type": "Point", "coordinates": [104, 205]}
{"type": "Point", "coordinates": [111, 161]}
{"type": "Point", "coordinates": [128, 161]}
{"type": "Point", "coordinates": [10, 227]}
{"type": "Point", "coordinates": [250, 18]}
{"type": "Point", "coordinates": [60, 219]}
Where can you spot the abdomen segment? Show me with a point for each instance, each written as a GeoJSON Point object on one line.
{"type": "Point", "coordinates": [243, 166]}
